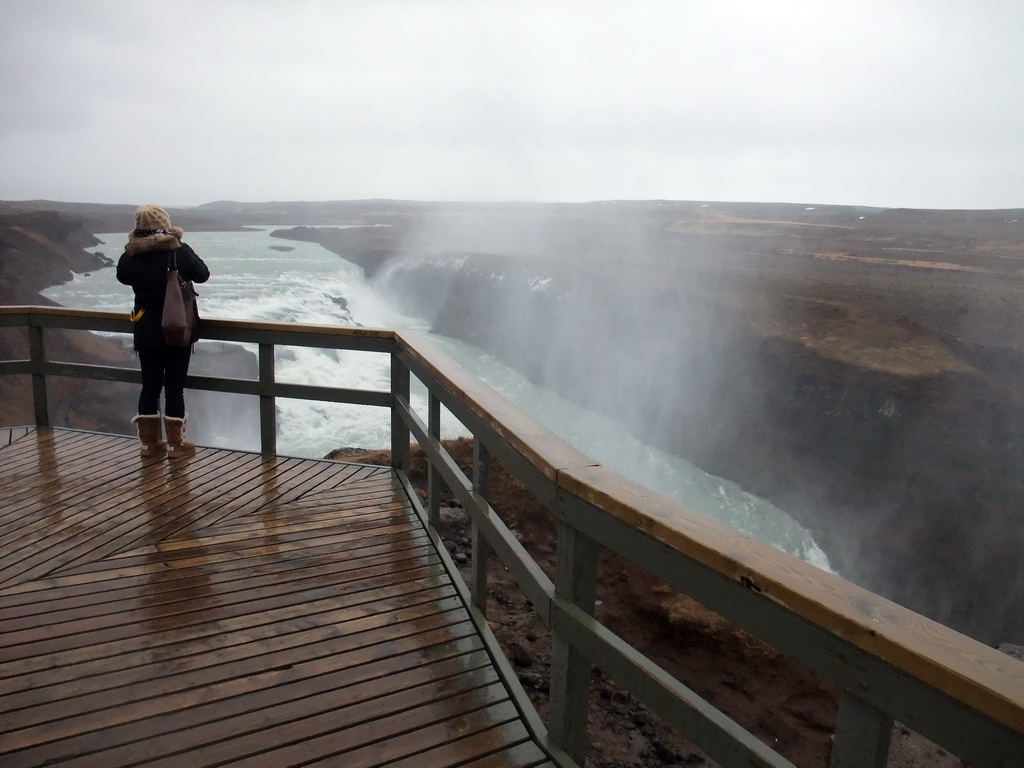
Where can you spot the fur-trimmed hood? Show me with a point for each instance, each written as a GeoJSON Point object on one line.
{"type": "Point", "coordinates": [159, 240]}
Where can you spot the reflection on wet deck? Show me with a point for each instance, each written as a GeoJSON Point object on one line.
{"type": "Point", "coordinates": [231, 608]}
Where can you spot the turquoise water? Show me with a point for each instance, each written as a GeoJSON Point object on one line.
{"type": "Point", "coordinates": [252, 280]}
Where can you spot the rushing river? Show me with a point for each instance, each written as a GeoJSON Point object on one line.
{"type": "Point", "coordinates": [254, 278]}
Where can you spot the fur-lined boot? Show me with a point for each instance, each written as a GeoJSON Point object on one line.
{"type": "Point", "coordinates": [148, 426]}
{"type": "Point", "coordinates": [176, 443]}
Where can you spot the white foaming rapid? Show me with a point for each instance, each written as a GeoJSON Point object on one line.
{"type": "Point", "coordinates": [252, 280]}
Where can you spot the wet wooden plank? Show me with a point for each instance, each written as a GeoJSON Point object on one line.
{"type": "Point", "coordinates": [8, 435]}
{"type": "Point", "coordinates": [57, 604]}
{"type": "Point", "coordinates": [134, 569]}
{"type": "Point", "coordinates": [202, 617]}
{"type": "Point", "coordinates": [231, 607]}
{"type": "Point", "coordinates": [62, 469]}
{"type": "Point", "coordinates": [523, 753]}
{"type": "Point", "coordinates": [276, 491]}
{"type": "Point", "coordinates": [274, 475]}
{"type": "Point", "coordinates": [195, 547]}
{"type": "Point", "coordinates": [32, 447]}
{"type": "Point", "coordinates": [242, 708]}
{"type": "Point", "coordinates": [113, 509]}
{"type": "Point", "coordinates": [179, 604]}
{"type": "Point", "coordinates": [432, 726]}
{"type": "Point", "coordinates": [153, 502]}
{"type": "Point", "coordinates": [205, 650]}
{"type": "Point", "coordinates": [309, 652]}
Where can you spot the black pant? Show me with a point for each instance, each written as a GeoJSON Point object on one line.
{"type": "Point", "coordinates": [164, 368]}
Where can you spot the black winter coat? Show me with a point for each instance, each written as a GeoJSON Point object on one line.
{"type": "Point", "coordinates": [146, 272]}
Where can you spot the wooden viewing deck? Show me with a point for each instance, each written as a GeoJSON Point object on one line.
{"type": "Point", "coordinates": [251, 608]}
{"type": "Point", "coordinates": [233, 608]}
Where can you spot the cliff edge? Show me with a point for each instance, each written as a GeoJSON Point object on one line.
{"type": "Point", "coordinates": [857, 367]}
{"type": "Point", "coordinates": [38, 249]}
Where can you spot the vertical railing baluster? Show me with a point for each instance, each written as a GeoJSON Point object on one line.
{"type": "Point", "coordinates": [268, 403]}
{"type": "Point", "coordinates": [576, 581]}
{"type": "Point", "coordinates": [481, 549]}
{"type": "Point", "coordinates": [433, 476]}
{"type": "Point", "coordinates": [37, 354]}
{"type": "Point", "coordinates": [400, 459]}
{"type": "Point", "coordinates": [862, 735]}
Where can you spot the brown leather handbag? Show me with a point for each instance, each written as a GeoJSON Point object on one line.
{"type": "Point", "coordinates": [180, 311]}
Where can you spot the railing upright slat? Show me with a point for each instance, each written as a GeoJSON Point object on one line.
{"type": "Point", "coordinates": [268, 403]}
{"type": "Point", "coordinates": [575, 581]}
{"type": "Point", "coordinates": [37, 354]}
{"type": "Point", "coordinates": [481, 549]}
{"type": "Point", "coordinates": [862, 735]}
{"type": "Point", "coordinates": [400, 455]}
{"type": "Point", "coordinates": [433, 476]}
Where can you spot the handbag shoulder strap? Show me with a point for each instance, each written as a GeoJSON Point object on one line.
{"type": "Point", "coordinates": [172, 262]}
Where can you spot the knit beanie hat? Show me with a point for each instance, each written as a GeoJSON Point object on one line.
{"type": "Point", "coordinates": [153, 220]}
{"type": "Point", "coordinates": [152, 217]}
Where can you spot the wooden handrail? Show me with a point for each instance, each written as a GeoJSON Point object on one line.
{"type": "Point", "coordinates": [980, 676]}
{"type": "Point", "coordinates": [891, 662]}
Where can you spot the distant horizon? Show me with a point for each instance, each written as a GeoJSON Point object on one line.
{"type": "Point", "coordinates": [809, 205]}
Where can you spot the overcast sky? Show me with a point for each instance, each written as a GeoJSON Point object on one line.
{"type": "Point", "coordinates": [913, 103]}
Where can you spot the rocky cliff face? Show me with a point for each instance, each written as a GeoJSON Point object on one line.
{"type": "Point", "coordinates": [39, 249]}
{"type": "Point", "coordinates": [873, 398]}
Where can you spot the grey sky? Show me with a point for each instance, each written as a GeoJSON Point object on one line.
{"type": "Point", "coordinates": [873, 102]}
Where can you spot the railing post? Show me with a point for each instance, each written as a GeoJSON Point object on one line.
{"type": "Point", "coordinates": [400, 457]}
{"type": "Point", "coordinates": [433, 476]}
{"type": "Point", "coordinates": [481, 549]}
{"type": "Point", "coordinates": [862, 735]}
{"type": "Point", "coordinates": [37, 354]}
{"type": "Point", "coordinates": [268, 405]}
{"type": "Point", "coordinates": [576, 581]}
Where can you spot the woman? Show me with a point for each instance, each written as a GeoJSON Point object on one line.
{"type": "Point", "coordinates": [143, 266]}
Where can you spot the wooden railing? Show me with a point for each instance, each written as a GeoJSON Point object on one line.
{"type": "Point", "coordinates": [890, 663]}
